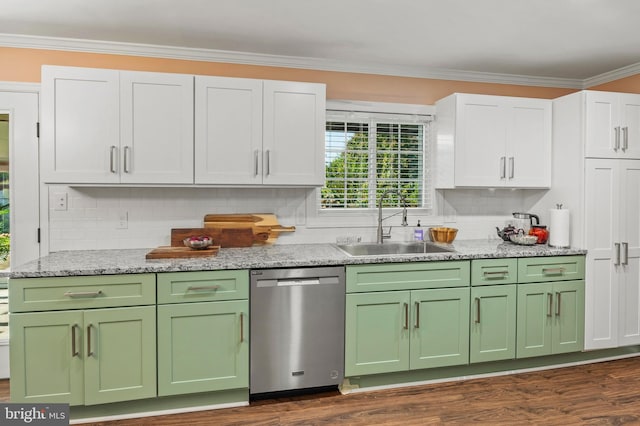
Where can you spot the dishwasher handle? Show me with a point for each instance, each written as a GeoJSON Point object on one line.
{"type": "Point", "coordinates": [297, 281]}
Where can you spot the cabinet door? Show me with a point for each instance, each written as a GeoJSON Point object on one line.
{"type": "Point", "coordinates": [376, 332]}
{"type": "Point", "coordinates": [47, 357]}
{"type": "Point", "coordinates": [439, 327]}
{"type": "Point", "coordinates": [568, 328]}
{"type": "Point", "coordinates": [228, 130]}
{"type": "Point", "coordinates": [602, 124]}
{"type": "Point", "coordinates": [203, 347]}
{"type": "Point", "coordinates": [535, 319]}
{"type": "Point", "coordinates": [80, 125]}
{"type": "Point", "coordinates": [602, 199]}
{"type": "Point", "coordinates": [480, 138]}
{"type": "Point", "coordinates": [120, 361]}
{"type": "Point", "coordinates": [528, 143]}
{"type": "Point", "coordinates": [493, 323]}
{"type": "Point", "coordinates": [630, 125]}
{"type": "Point", "coordinates": [293, 139]}
{"type": "Point", "coordinates": [156, 127]}
{"type": "Point", "coordinates": [629, 268]}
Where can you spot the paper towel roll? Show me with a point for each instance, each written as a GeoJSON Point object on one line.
{"type": "Point", "coordinates": [559, 227]}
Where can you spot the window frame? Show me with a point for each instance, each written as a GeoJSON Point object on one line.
{"type": "Point", "coordinates": [317, 217]}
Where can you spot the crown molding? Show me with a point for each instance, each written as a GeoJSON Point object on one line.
{"type": "Point", "coordinates": [246, 58]}
{"type": "Point", "coordinates": [607, 77]}
{"type": "Point", "coordinates": [17, 86]}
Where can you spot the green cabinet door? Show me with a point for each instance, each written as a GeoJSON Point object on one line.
{"type": "Point", "coordinates": [439, 327]}
{"type": "Point", "coordinates": [120, 354]}
{"type": "Point", "coordinates": [535, 319]}
{"type": "Point", "coordinates": [550, 318]}
{"type": "Point", "coordinates": [377, 332]}
{"type": "Point", "coordinates": [493, 323]}
{"type": "Point", "coordinates": [46, 357]}
{"type": "Point", "coordinates": [203, 347]}
{"type": "Point", "coordinates": [568, 333]}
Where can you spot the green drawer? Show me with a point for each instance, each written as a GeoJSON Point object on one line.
{"type": "Point", "coordinates": [180, 287]}
{"type": "Point", "coordinates": [81, 292]}
{"type": "Point", "coordinates": [407, 276]}
{"type": "Point", "coordinates": [494, 271]}
{"type": "Point", "coordinates": [553, 268]}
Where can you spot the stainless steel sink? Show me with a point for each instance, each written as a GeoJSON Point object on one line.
{"type": "Point", "coordinates": [374, 249]}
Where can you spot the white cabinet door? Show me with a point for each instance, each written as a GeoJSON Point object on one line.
{"type": "Point", "coordinates": [529, 143]}
{"type": "Point", "coordinates": [480, 142]}
{"type": "Point", "coordinates": [80, 125]}
{"type": "Point", "coordinates": [612, 299]}
{"type": "Point", "coordinates": [293, 138]}
{"type": "Point", "coordinates": [156, 118]}
{"type": "Point", "coordinates": [228, 130]}
{"type": "Point", "coordinates": [613, 125]}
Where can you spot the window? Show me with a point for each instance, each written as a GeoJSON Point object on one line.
{"type": "Point", "coordinates": [369, 153]}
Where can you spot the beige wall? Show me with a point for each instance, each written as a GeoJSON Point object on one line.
{"type": "Point", "coordinates": [25, 67]}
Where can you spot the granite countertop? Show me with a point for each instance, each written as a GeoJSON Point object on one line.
{"type": "Point", "coordinates": [132, 261]}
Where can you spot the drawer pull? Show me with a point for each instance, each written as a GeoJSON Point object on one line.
{"type": "Point", "coordinates": [74, 348]}
{"type": "Point", "coordinates": [203, 288]}
{"type": "Point", "coordinates": [492, 274]}
{"type": "Point", "coordinates": [83, 293]}
{"type": "Point", "coordinates": [553, 271]}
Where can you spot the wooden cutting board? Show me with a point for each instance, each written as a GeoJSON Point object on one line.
{"type": "Point", "coordinates": [167, 252]}
{"type": "Point", "coordinates": [223, 237]}
{"type": "Point", "coordinates": [258, 222]}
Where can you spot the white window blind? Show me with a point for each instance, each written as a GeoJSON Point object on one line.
{"type": "Point", "coordinates": [368, 153]}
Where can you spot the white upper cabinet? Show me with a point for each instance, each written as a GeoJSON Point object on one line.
{"type": "Point", "coordinates": [493, 141]}
{"type": "Point", "coordinates": [613, 125]}
{"type": "Point", "coordinates": [156, 127]}
{"type": "Point", "coordinates": [107, 126]}
{"type": "Point", "coordinates": [80, 124]}
{"type": "Point", "coordinates": [259, 132]}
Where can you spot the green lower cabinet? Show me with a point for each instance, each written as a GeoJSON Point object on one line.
{"type": "Point", "coordinates": [84, 357]}
{"type": "Point", "coordinates": [493, 323]}
{"type": "Point", "coordinates": [439, 328]}
{"type": "Point", "coordinates": [376, 332]}
{"type": "Point", "coordinates": [550, 318]}
{"type": "Point", "coordinates": [402, 330]}
{"type": "Point", "coordinates": [203, 347]}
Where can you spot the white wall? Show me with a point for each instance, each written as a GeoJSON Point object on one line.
{"type": "Point", "coordinates": [92, 217]}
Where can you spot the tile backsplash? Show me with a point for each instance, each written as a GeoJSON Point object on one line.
{"type": "Point", "coordinates": [112, 218]}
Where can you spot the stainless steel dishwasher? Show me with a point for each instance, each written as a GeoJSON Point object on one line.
{"type": "Point", "coordinates": [297, 328]}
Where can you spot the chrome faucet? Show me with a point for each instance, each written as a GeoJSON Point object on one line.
{"type": "Point", "coordinates": [381, 235]}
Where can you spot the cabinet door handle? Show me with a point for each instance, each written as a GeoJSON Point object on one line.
{"type": "Point", "coordinates": [112, 160]}
{"type": "Point", "coordinates": [490, 274]}
{"type": "Point", "coordinates": [503, 167]}
{"type": "Point", "coordinates": [417, 325]}
{"type": "Point", "coordinates": [553, 271]}
{"type": "Point", "coordinates": [89, 350]}
{"type": "Point", "coordinates": [512, 167]}
{"type": "Point", "coordinates": [73, 294]}
{"type": "Point", "coordinates": [616, 145]}
{"type": "Point", "coordinates": [406, 316]}
{"type": "Point", "coordinates": [256, 160]}
{"type": "Point", "coordinates": [203, 288]}
{"type": "Point", "coordinates": [74, 343]}
{"type": "Point", "coordinates": [268, 162]}
{"type": "Point", "coordinates": [625, 138]}
{"type": "Point", "coordinates": [127, 159]}
{"type": "Point", "coordinates": [241, 327]}
{"type": "Point", "coordinates": [550, 304]}
{"type": "Point", "coordinates": [477, 310]}
{"type": "Point", "coordinates": [617, 250]}
{"type": "Point", "coordinates": [558, 301]}
{"type": "Point", "coordinates": [625, 254]}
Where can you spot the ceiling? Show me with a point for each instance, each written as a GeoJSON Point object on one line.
{"type": "Point", "coordinates": [550, 40]}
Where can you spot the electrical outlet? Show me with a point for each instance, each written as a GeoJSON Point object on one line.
{"type": "Point", "coordinates": [60, 201]}
{"type": "Point", "coordinates": [123, 220]}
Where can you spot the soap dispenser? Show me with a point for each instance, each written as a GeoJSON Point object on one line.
{"type": "Point", "coordinates": [418, 233]}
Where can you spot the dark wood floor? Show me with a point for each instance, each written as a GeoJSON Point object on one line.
{"type": "Point", "coordinates": [606, 393]}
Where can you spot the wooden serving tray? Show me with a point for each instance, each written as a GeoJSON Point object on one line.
{"type": "Point", "coordinates": [167, 252]}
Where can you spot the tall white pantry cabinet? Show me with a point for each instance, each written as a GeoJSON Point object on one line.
{"type": "Point", "coordinates": [596, 174]}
